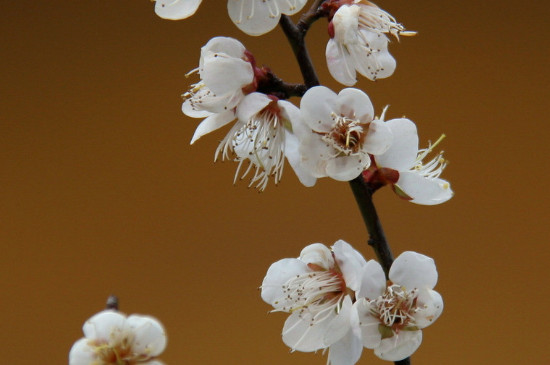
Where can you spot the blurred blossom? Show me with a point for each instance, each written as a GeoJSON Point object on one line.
{"type": "Point", "coordinates": [257, 17]}
{"type": "Point", "coordinates": [391, 321]}
{"type": "Point", "coordinates": [318, 290]}
{"type": "Point", "coordinates": [112, 338]}
{"type": "Point", "coordinates": [358, 41]}
{"type": "Point", "coordinates": [176, 9]}
{"type": "Point", "coordinates": [341, 133]}
{"type": "Point", "coordinates": [402, 166]}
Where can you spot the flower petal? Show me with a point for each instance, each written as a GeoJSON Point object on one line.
{"type": "Point", "coordinates": [316, 107]}
{"type": "Point", "coordinates": [374, 281]}
{"type": "Point", "coordinates": [351, 263]}
{"type": "Point", "coordinates": [301, 333]}
{"type": "Point", "coordinates": [176, 9]}
{"type": "Point", "coordinates": [424, 190]}
{"type": "Point", "coordinates": [229, 46]}
{"type": "Point", "coordinates": [355, 104]}
{"type": "Point", "coordinates": [81, 353]}
{"type": "Point", "coordinates": [413, 270]}
{"type": "Point", "coordinates": [223, 74]}
{"type": "Point", "coordinates": [339, 65]}
{"type": "Point", "coordinates": [346, 351]}
{"type": "Point", "coordinates": [379, 138]}
{"type": "Point", "coordinates": [252, 104]}
{"type": "Point", "coordinates": [402, 153]}
{"type": "Point", "coordinates": [102, 324]}
{"type": "Point", "coordinates": [212, 123]}
{"type": "Point", "coordinates": [430, 306]}
{"type": "Point", "coordinates": [340, 325]}
{"type": "Point", "coordinates": [317, 254]}
{"type": "Point", "coordinates": [150, 337]}
{"type": "Point", "coordinates": [399, 346]}
{"type": "Point", "coordinates": [253, 19]}
{"type": "Point", "coordinates": [346, 168]}
{"type": "Point", "coordinates": [366, 323]}
{"type": "Point", "coordinates": [277, 275]}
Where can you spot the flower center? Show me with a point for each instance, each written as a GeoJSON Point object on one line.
{"type": "Point", "coordinates": [395, 310]}
{"type": "Point", "coordinates": [118, 351]}
{"type": "Point", "coordinates": [347, 136]}
{"type": "Point", "coordinates": [316, 292]}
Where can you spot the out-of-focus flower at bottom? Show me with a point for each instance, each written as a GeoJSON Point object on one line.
{"type": "Point", "coordinates": [112, 338]}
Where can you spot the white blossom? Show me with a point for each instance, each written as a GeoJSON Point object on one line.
{"type": "Point", "coordinates": [391, 321]}
{"type": "Point", "coordinates": [227, 72]}
{"type": "Point", "coordinates": [317, 290]}
{"type": "Point", "coordinates": [418, 181]}
{"type": "Point", "coordinates": [112, 338]}
{"type": "Point", "coordinates": [262, 138]}
{"type": "Point", "coordinates": [359, 43]}
{"type": "Point", "coordinates": [176, 9]}
{"type": "Point", "coordinates": [257, 17]}
{"type": "Point", "coordinates": [341, 133]}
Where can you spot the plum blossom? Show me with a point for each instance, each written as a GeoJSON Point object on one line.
{"type": "Point", "coordinates": [176, 9]}
{"type": "Point", "coordinates": [402, 166]}
{"type": "Point", "coordinates": [358, 41]}
{"type": "Point", "coordinates": [257, 17]}
{"type": "Point", "coordinates": [318, 290]}
{"type": "Point", "coordinates": [262, 136]}
{"type": "Point", "coordinates": [391, 322]}
{"type": "Point", "coordinates": [226, 70]}
{"type": "Point", "coordinates": [112, 338]}
{"type": "Point", "coordinates": [341, 133]}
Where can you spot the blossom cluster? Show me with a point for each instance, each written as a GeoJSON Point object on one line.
{"type": "Point", "coordinates": [329, 135]}
{"type": "Point", "coordinates": [339, 301]}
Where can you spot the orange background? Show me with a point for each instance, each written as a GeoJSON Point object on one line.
{"type": "Point", "coordinates": [101, 192]}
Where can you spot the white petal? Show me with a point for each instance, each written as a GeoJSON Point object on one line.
{"type": "Point", "coordinates": [340, 325]}
{"type": "Point", "coordinates": [399, 346]}
{"type": "Point", "coordinates": [150, 337]}
{"type": "Point", "coordinates": [292, 143]}
{"type": "Point", "coordinates": [277, 275]}
{"type": "Point", "coordinates": [354, 104]}
{"type": "Point", "coordinates": [366, 323]}
{"type": "Point", "coordinates": [290, 7]}
{"type": "Point", "coordinates": [379, 138]}
{"type": "Point", "coordinates": [338, 63]}
{"type": "Point", "coordinates": [347, 351]}
{"type": "Point", "coordinates": [299, 333]}
{"type": "Point", "coordinates": [212, 123]}
{"type": "Point", "coordinates": [101, 324]}
{"type": "Point", "coordinates": [176, 9]}
{"type": "Point", "coordinates": [413, 270]}
{"type": "Point", "coordinates": [229, 46]}
{"type": "Point", "coordinates": [316, 107]}
{"type": "Point", "coordinates": [346, 168]}
{"type": "Point", "coordinates": [255, 18]}
{"type": "Point", "coordinates": [402, 153]}
{"type": "Point", "coordinates": [373, 59]}
{"type": "Point", "coordinates": [374, 281]}
{"type": "Point", "coordinates": [351, 263]}
{"type": "Point", "coordinates": [251, 105]}
{"type": "Point", "coordinates": [317, 254]}
{"type": "Point", "coordinates": [224, 74]}
{"type": "Point", "coordinates": [423, 190]}
{"type": "Point", "coordinates": [430, 306]}
{"type": "Point", "coordinates": [81, 353]}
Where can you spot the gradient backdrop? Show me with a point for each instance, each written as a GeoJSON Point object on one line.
{"type": "Point", "coordinates": [101, 192]}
